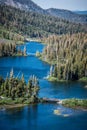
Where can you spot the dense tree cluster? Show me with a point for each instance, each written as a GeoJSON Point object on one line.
{"type": "Point", "coordinates": [14, 88]}
{"type": "Point", "coordinates": [35, 24]}
{"type": "Point", "coordinates": [5, 34]}
{"type": "Point", "coordinates": [69, 55]}
{"type": "Point", "coordinates": [7, 48]}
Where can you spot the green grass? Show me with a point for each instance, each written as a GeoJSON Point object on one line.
{"type": "Point", "coordinates": [20, 43]}
{"type": "Point", "coordinates": [83, 79]}
{"type": "Point", "coordinates": [6, 101]}
{"type": "Point", "coordinates": [75, 103]}
{"type": "Point", "coordinates": [54, 79]}
{"type": "Point", "coordinates": [9, 101]}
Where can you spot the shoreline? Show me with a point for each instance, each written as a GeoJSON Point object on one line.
{"type": "Point", "coordinates": [74, 103]}
{"type": "Point", "coordinates": [54, 79]}
{"type": "Point", "coordinates": [11, 106]}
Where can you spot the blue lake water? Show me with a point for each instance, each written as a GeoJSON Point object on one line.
{"type": "Point", "coordinates": [41, 116]}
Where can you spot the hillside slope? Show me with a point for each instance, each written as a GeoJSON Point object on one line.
{"type": "Point", "coordinates": [34, 24]}
{"type": "Point", "coordinates": [26, 5]}
{"type": "Point", "coordinates": [68, 15]}
{"type": "Point", "coordinates": [29, 5]}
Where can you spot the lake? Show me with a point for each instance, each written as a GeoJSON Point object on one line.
{"type": "Point", "coordinates": [41, 116]}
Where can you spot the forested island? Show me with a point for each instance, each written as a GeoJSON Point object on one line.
{"type": "Point", "coordinates": [15, 91]}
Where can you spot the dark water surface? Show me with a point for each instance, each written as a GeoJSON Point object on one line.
{"type": "Point", "coordinates": [41, 116]}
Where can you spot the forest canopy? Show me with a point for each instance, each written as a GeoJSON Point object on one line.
{"type": "Point", "coordinates": [34, 24]}
{"type": "Point", "coordinates": [68, 54]}
{"type": "Point", "coordinates": [15, 88]}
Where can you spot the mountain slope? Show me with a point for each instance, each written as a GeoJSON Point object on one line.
{"type": "Point", "coordinates": [34, 24]}
{"type": "Point", "coordinates": [29, 5]}
{"type": "Point", "coordinates": [68, 15]}
{"type": "Point", "coordinates": [26, 5]}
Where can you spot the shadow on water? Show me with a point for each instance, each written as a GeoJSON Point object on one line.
{"type": "Point", "coordinates": [62, 90]}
